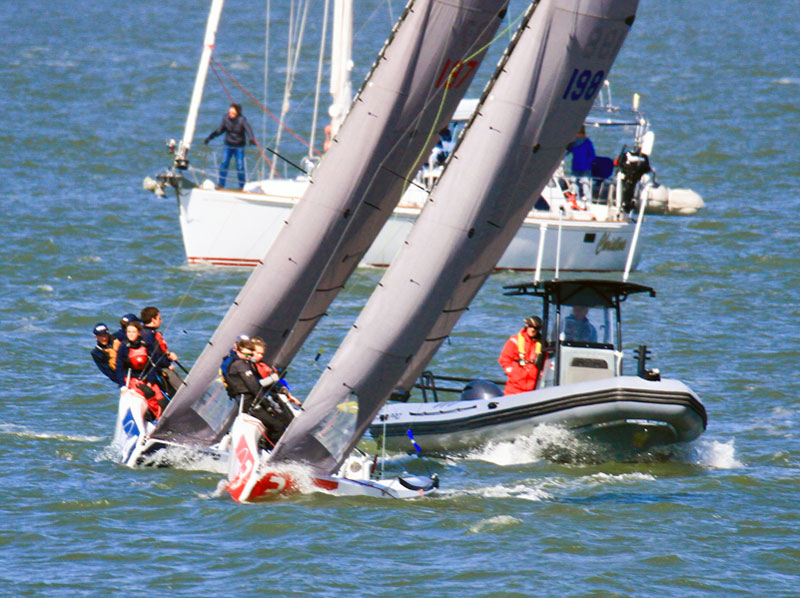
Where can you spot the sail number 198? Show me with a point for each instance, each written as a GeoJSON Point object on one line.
{"type": "Point", "coordinates": [583, 85]}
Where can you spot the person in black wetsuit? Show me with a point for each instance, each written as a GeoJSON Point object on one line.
{"type": "Point", "coordinates": [243, 383]}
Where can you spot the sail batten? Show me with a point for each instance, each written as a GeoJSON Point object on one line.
{"type": "Point", "coordinates": [539, 98]}
{"type": "Point", "coordinates": [407, 93]}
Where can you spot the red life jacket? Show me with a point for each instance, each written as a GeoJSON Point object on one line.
{"type": "Point", "coordinates": [138, 357]}
{"type": "Point", "coordinates": [153, 401]}
{"type": "Point", "coordinates": [161, 342]}
{"type": "Point", "coordinates": [263, 369]}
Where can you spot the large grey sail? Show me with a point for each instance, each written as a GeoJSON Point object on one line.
{"type": "Point", "coordinates": [411, 92]}
{"type": "Point", "coordinates": [538, 100]}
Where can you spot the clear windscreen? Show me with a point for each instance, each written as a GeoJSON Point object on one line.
{"type": "Point", "coordinates": [582, 324]}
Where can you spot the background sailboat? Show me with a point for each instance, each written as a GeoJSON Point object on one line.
{"type": "Point", "coordinates": [540, 95]}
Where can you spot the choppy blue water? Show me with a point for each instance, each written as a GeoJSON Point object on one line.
{"type": "Point", "coordinates": [92, 90]}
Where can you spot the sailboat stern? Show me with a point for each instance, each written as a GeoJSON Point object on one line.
{"type": "Point", "coordinates": [253, 478]}
{"type": "Point", "coordinates": [247, 479]}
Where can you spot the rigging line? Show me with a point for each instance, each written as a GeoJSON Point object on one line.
{"type": "Point", "coordinates": [265, 89]}
{"type": "Point", "coordinates": [319, 78]}
{"type": "Point", "coordinates": [261, 106]}
{"type": "Point", "coordinates": [455, 70]}
{"type": "Point", "coordinates": [292, 58]}
{"type": "Point", "coordinates": [221, 82]}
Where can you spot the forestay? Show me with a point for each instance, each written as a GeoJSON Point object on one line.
{"type": "Point", "coordinates": [539, 98]}
{"type": "Point", "coordinates": [412, 91]}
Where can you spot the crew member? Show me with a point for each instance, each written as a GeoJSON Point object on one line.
{"type": "Point", "coordinates": [522, 357]}
{"type": "Point", "coordinates": [242, 382]}
{"type": "Point", "coordinates": [577, 326]}
{"type": "Point", "coordinates": [163, 359]}
{"type": "Point", "coordinates": [135, 370]}
{"type": "Point", "coordinates": [104, 353]}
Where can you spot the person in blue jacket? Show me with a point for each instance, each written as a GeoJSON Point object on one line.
{"type": "Point", "coordinates": [582, 151]}
{"type": "Point", "coordinates": [104, 354]}
{"type": "Point", "coordinates": [237, 131]}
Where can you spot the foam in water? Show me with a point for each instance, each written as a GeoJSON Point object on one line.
{"type": "Point", "coordinates": [494, 524]}
{"type": "Point", "coordinates": [544, 442]}
{"type": "Point", "coordinates": [715, 454]}
{"type": "Point", "coordinates": [531, 492]}
{"type": "Point", "coordinates": [14, 430]}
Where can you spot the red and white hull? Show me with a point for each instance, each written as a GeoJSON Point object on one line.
{"type": "Point", "coordinates": [251, 478]}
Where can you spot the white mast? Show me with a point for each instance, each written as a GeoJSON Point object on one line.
{"type": "Point", "coordinates": [181, 159]}
{"type": "Point", "coordinates": [341, 62]}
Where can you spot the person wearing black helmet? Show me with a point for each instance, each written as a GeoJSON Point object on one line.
{"type": "Point", "coordinates": [104, 353]}
{"type": "Point", "coordinates": [522, 357]}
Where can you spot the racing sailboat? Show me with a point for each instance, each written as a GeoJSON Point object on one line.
{"type": "Point", "coordinates": [539, 96]}
{"type": "Point", "coordinates": [412, 91]}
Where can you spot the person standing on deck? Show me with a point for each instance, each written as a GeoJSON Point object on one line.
{"type": "Point", "coordinates": [522, 356]}
{"type": "Point", "coordinates": [582, 151]}
{"type": "Point", "coordinates": [237, 131]}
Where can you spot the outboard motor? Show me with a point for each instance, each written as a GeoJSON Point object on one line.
{"type": "Point", "coordinates": [633, 165]}
{"type": "Point", "coordinates": [481, 389]}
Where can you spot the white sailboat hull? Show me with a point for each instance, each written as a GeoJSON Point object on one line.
{"type": "Point", "coordinates": [236, 228]}
{"type": "Point", "coordinates": [252, 478]}
{"type": "Point", "coordinates": [136, 448]}
{"type": "Point", "coordinates": [624, 413]}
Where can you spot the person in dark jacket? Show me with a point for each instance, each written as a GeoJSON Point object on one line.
{"type": "Point", "coordinates": [237, 131]}
{"type": "Point", "coordinates": [163, 359]}
{"type": "Point", "coordinates": [133, 358]}
{"type": "Point", "coordinates": [104, 353]}
{"type": "Point", "coordinates": [243, 383]}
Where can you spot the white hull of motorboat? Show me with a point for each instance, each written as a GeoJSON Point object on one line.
{"type": "Point", "coordinates": [252, 478]}
{"type": "Point", "coordinates": [236, 228]}
{"type": "Point", "coordinates": [626, 413]}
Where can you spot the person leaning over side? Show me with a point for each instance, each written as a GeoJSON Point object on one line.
{"type": "Point", "coordinates": [163, 359]}
{"type": "Point", "coordinates": [135, 370]}
{"type": "Point", "coordinates": [242, 383]}
{"type": "Point", "coordinates": [104, 353]}
{"type": "Point", "coordinates": [237, 131]}
{"type": "Point", "coordinates": [269, 377]}
{"type": "Point", "coordinates": [522, 357]}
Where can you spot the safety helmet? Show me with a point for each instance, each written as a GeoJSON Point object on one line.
{"type": "Point", "coordinates": [534, 321]}
{"type": "Point", "coordinates": [100, 328]}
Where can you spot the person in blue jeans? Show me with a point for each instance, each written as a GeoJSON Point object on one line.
{"type": "Point", "coordinates": [582, 151]}
{"type": "Point", "coordinates": [237, 131]}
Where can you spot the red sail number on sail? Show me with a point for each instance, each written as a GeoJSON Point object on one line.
{"type": "Point", "coordinates": [454, 74]}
